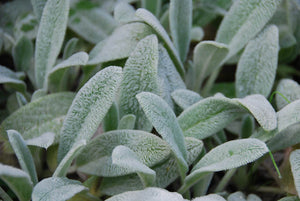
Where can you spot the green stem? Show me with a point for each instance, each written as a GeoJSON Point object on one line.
{"type": "Point", "coordinates": [277, 92]}
{"type": "Point", "coordinates": [4, 195]}
{"type": "Point", "coordinates": [268, 189]}
{"type": "Point", "coordinates": [275, 165]}
{"type": "Point", "coordinates": [225, 180]}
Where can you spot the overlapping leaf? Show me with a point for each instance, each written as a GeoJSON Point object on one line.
{"type": "Point", "coordinates": [295, 166]}
{"type": "Point", "coordinates": [290, 89]}
{"type": "Point", "coordinates": [9, 77]}
{"type": "Point", "coordinates": [184, 98]}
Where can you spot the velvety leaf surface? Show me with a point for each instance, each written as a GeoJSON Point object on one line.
{"type": "Point", "coordinates": [210, 197]}
{"type": "Point", "coordinates": [164, 121]}
{"type": "Point", "coordinates": [140, 74]}
{"type": "Point", "coordinates": [127, 122]}
{"type": "Point", "coordinates": [290, 89]}
{"type": "Point", "coordinates": [124, 13]}
{"type": "Point", "coordinates": [121, 42]}
{"type": "Point", "coordinates": [56, 189]}
{"type": "Point", "coordinates": [17, 180]}
{"type": "Point", "coordinates": [89, 108]}
{"type": "Point", "coordinates": [23, 154]}
{"type": "Point", "coordinates": [237, 196]}
{"type": "Point", "coordinates": [95, 158]}
{"type": "Point", "coordinates": [50, 37]}
{"type": "Point", "coordinates": [295, 167]}
{"type": "Point", "coordinates": [257, 67]}
{"type": "Point", "coordinates": [184, 98]}
{"type": "Point", "coordinates": [7, 76]}
{"type": "Point", "coordinates": [243, 21]}
{"type": "Point", "coordinates": [150, 19]}
{"type": "Point", "coordinates": [38, 6]}
{"type": "Point", "coordinates": [180, 17]}
{"type": "Point", "coordinates": [44, 141]}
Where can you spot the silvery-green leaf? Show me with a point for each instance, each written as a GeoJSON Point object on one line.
{"type": "Point", "coordinates": [125, 158]}
{"type": "Point", "coordinates": [210, 197]}
{"type": "Point", "coordinates": [23, 154]}
{"type": "Point", "coordinates": [127, 122]}
{"type": "Point", "coordinates": [124, 13]}
{"type": "Point", "coordinates": [253, 197]}
{"type": "Point", "coordinates": [243, 21]}
{"type": "Point", "coordinates": [154, 6]}
{"type": "Point", "coordinates": [26, 25]}
{"type": "Point", "coordinates": [55, 75]}
{"type": "Point", "coordinates": [56, 189]}
{"type": "Point", "coordinates": [140, 74]}
{"type": "Point", "coordinates": [180, 17]}
{"type": "Point", "coordinates": [111, 119]}
{"type": "Point", "coordinates": [95, 158]}
{"type": "Point", "coordinates": [93, 24]}
{"type": "Point", "coordinates": [44, 141]}
{"type": "Point", "coordinates": [121, 42]}
{"type": "Point", "coordinates": [247, 127]}
{"type": "Point", "coordinates": [89, 108]}
{"type": "Point", "coordinates": [150, 19]}
{"type": "Point", "coordinates": [10, 78]}
{"type": "Point", "coordinates": [295, 167]}
{"type": "Point", "coordinates": [17, 180]}
{"type": "Point", "coordinates": [257, 67]}
{"type": "Point", "coordinates": [208, 56]}
{"type": "Point", "coordinates": [169, 78]}
{"type": "Point", "coordinates": [21, 99]}
{"type": "Point", "coordinates": [38, 6]}
{"type": "Point", "coordinates": [62, 168]}
{"type": "Point", "coordinates": [50, 37]}
{"type": "Point", "coordinates": [166, 173]}
{"type": "Point", "coordinates": [290, 89]}
{"type": "Point", "coordinates": [237, 196]}
{"type": "Point", "coordinates": [226, 156]}
{"type": "Point", "coordinates": [184, 98]}
{"type": "Point", "coordinates": [70, 48]}
{"type": "Point", "coordinates": [197, 34]}
{"type": "Point", "coordinates": [23, 54]}
{"type": "Point", "coordinates": [212, 114]}
{"type": "Point", "coordinates": [290, 198]}
{"type": "Point", "coordinates": [45, 114]}
{"type": "Point", "coordinates": [153, 194]}
{"type": "Point", "coordinates": [38, 94]}
{"type": "Point", "coordinates": [164, 121]}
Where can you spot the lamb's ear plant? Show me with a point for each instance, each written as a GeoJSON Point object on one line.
{"type": "Point", "coordinates": [121, 100]}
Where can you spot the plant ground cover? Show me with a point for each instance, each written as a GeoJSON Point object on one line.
{"type": "Point", "coordinates": [139, 100]}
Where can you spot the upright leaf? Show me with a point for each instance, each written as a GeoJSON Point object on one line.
{"type": "Point", "coordinates": [127, 159]}
{"type": "Point", "coordinates": [10, 78]}
{"type": "Point", "coordinates": [184, 98]}
{"type": "Point", "coordinates": [124, 13]}
{"type": "Point", "coordinates": [257, 67]}
{"type": "Point", "coordinates": [70, 48]}
{"type": "Point", "coordinates": [180, 17]}
{"type": "Point", "coordinates": [226, 156]}
{"type": "Point", "coordinates": [56, 189]}
{"type": "Point", "coordinates": [164, 121]}
{"type": "Point", "coordinates": [23, 54]}
{"type": "Point", "coordinates": [23, 154]}
{"type": "Point", "coordinates": [140, 74]}
{"type": "Point", "coordinates": [50, 38]}
{"type": "Point", "coordinates": [154, 6]}
{"type": "Point", "coordinates": [295, 166]}
{"type": "Point", "coordinates": [111, 120]}
{"type": "Point", "coordinates": [243, 21]}
{"type": "Point", "coordinates": [150, 19]}
{"type": "Point", "coordinates": [290, 89]}
{"type": "Point", "coordinates": [17, 180]}
{"type": "Point", "coordinates": [208, 56]}
{"type": "Point", "coordinates": [38, 6]}
{"type": "Point", "coordinates": [89, 108]}
{"type": "Point", "coordinates": [127, 122]}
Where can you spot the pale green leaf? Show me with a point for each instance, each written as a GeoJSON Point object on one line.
{"type": "Point", "coordinates": [295, 167]}
{"type": "Point", "coordinates": [197, 34]}
{"type": "Point", "coordinates": [125, 158]}
{"type": "Point", "coordinates": [290, 89]}
{"type": "Point", "coordinates": [208, 56]}
{"type": "Point", "coordinates": [253, 197]}
{"type": "Point", "coordinates": [210, 197]}
{"type": "Point", "coordinates": [140, 74]}
{"type": "Point", "coordinates": [121, 42]}
{"type": "Point", "coordinates": [26, 25]}
{"type": "Point", "coordinates": [23, 54]}
{"type": "Point", "coordinates": [180, 17]}
{"type": "Point", "coordinates": [154, 6]}
{"type": "Point", "coordinates": [257, 67]}
{"type": "Point", "coordinates": [38, 6]}
{"type": "Point", "coordinates": [44, 141]}
{"type": "Point", "coordinates": [70, 48]}
{"type": "Point", "coordinates": [150, 19]}
{"type": "Point", "coordinates": [226, 156]}
{"type": "Point", "coordinates": [21, 99]}
{"type": "Point", "coordinates": [153, 194]}
{"type": "Point", "coordinates": [210, 115]}
{"type": "Point", "coordinates": [164, 121]}
{"type": "Point", "coordinates": [124, 13]}
{"type": "Point", "coordinates": [62, 168]}
{"type": "Point", "coordinates": [38, 94]}
{"type": "Point", "coordinates": [56, 189]}
{"type": "Point", "coordinates": [184, 98]}
{"type": "Point", "coordinates": [50, 37]}
{"type": "Point", "coordinates": [17, 180]}
{"type": "Point", "coordinates": [243, 21]}
{"type": "Point", "coordinates": [237, 196]}
{"type": "Point", "coordinates": [127, 122]}
{"type": "Point", "coordinates": [111, 119]}
{"type": "Point", "coordinates": [43, 115]}
{"type": "Point", "coordinates": [95, 158]}
{"type": "Point", "coordinates": [23, 154]}
{"type": "Point", "coordinates": [169, 78]}
{"type": "Point", "coordinates": [89, 108]}
{"type": "Point", "coordinates": [10, 78]}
